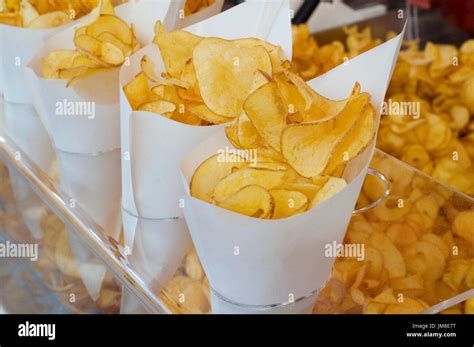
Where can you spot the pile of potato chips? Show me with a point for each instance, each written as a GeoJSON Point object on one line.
{"type": "Point", "coordinates": [300, 142]}
{"type": "Point", "coordinates": [101, 46]}
{"type": "Point", "coordinates": [42, 14]}
{"type": "Point", "coordinates": [311, 60]}
{"type": "Point", "coordinates": [440, 79]}
{"type": "Point", "coordinates": [440, 140]}
{"type": "Point", "coordinates": [419, 248]}
{"type": "Point", "coordinates": [206, 79]}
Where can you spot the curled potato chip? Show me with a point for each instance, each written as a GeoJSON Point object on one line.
{"type": "Point", "coordinates": [288, 203]}
{"type": "Point", "coordinates": [55, 61]}
{"type": "Point", "coordinates": [355, 141]}
{"type": "Point", "coordinates": [330, 188]}
{"type": "Point", "coordinates": [148, 68]}
{"type": "Point", "coordinates": [308, 147]}
{"type": "Point", "coordinates": [246, 133]}
{"type": "Point", "coordinates": [265, 108]}
{"type": "Point", "coordinates": [160, 107]}
{"type": "Point", "coordinates": [203, 112]}
{"type": "Point", "coordinates": [393, 260]}
{"type": "Point", "coordinates": [424, 258]}
{"type": "Point", "coordinates": [50, 20]}
{"type": "Point", "coordinates": [246, 176]}
{"type": "Point", "coordinates": [113, 25]}
{"type": "Point", "coordinates": [137, 90]}
{"type": "Point", "coordinates": [176, 48]}
{"type": "Point", "coordinates": [225, 72]}
{"type": "Point", "coordinates": [212, 171]}
{"type": "Point", "coordinates": [252, 201]}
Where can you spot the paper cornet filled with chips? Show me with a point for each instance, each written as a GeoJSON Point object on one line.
{"type": "Point", "coordinates": [164, 115]}
{"type": "Point", "coordinates": [266, 195]}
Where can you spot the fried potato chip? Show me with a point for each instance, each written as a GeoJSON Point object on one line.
{"type": "Point", "coordinates": [246, 133]}
{"type": "Point", "coordinates": [251, 200]}
{"type": "Point", "coordinates": [225, 72]}
{"type": "Point", "coordinates": [55, 61]}
{"type": "Point", "coordinates": [265, 108]}
{"type": "Point", "coordinates": [49, 20]}
{"type": "Point", "coordinates": [424, 258]}
{"type": "Point", "coordinates": [203, 112]}
{"type": "Point", "coordinates": [176, 48]}
{"type": "Point", "coordinates": [288, 203]}
{"type": "Point", "coordinates": [356, 140]}
{"type": "Point", "coordinates": [113, 25]}
{"type": "Point", "coordinates": [212, 171]}
{"type": "Point", "coordinates": [246, 176]}
{"type": "Point", "coordinates": [137, 90]}
{"type": "Point", "coordinates": [393, 259]}
{"type": "Point", "coordinates": [308, 147]}
{"type": "Point", "coordinates": [330, 188]}
{"type": "Point", "coordinates": [148, 68]}
{"type": "Point", "coordinates": [160, 107]}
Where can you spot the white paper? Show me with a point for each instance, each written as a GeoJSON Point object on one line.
{"type": "Point", "coordinates": [282, 259]}
{"type": "Point", "coordinates": [151, 185]}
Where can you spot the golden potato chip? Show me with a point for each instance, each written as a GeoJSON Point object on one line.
{"type": "Point", "coordinates": [211, 172]}
{"type": "Point", "coordinates": [55, 61]}
{"type": "Point", "coordinates": [148, 68]}
{"type": "Point", "coordinates": [265, 108]}
{"type": "Point", "coordinates": [137, 90]}
{"type": "Point", "coordinates": [355, 141]}
{"type": "Point", "coordinates": [203, 112]}
{"type": "Point", "coordinates": [50, 20]}
{"type": "Point", "coordinates": [246, 176]}
{"type": "Point", "coordinates": [330, 188]}
{"type": "Point", "coordinates": [393, 259]}
{"type": "Point", "coordinates": [160, 107]}
{"type": "Point", "coordinates": [464, 226]}
{"type": "Point", "coordinates": [424, 258]}
{"type": "Point", "coordinates": [113, 25]}
{"type": "Point", "coordinates": [176, 48]}
{"type": "Point", "coordinates": [288, 203]}
{"type": "Point", "coordinates": [308, 146]}
{"type": "Point", "coordinates": [251, 200]}
{"type": "Point", "coordinates": [225, 72]}
{"type": "Point", "coordinates": [246, 133]}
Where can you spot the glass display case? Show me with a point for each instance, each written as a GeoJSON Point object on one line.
{"type": "Point", "coordinates": [419, 254]}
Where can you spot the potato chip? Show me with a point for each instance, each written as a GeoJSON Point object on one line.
{"type": "Point", "coordinates": [176, 48]}
{"type": "Point", "coordinates": [355, 141]}
{"type": "Point", "coordinates": [251, 200]}
{"type": "Point", "coordinates": [137, 90]}
{"type": "Point", "coordinates": [393, 259]}
{"type": "Point", "coordinates": [203, 112]}
{"type": "Point", "coordinates": [225, 72]}
{"type": "Point", "coordinates": [160, 107]}
{"type": "Point", "coordinates": [308, 147]}
{"type": "Point", "coordinates": [246, 176]}
{"type": "Point", "coordinates": [212, 171]}
{"type": "Point", "coordinates": [330, 188]}
{"type": "Point", "coordinates": [265, 108]}
{"type": "Point", "coordinates": [288, 203]}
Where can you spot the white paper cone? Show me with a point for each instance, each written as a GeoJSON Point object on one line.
{"type": "Point", "coordinates": [18, 46]}
{"type": "Point", "coordinates": [158, 247]}
{"type": "Point", "coordinates": [93, 183]}
{"type": "Point", "coordinates": [264, 262]}
{"type": "Point", "coordinates": [152, 145]}
{"type": "Point", "coordinates": [83, 122]}
{"type": "Point", "coordinates": [30, 206]}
